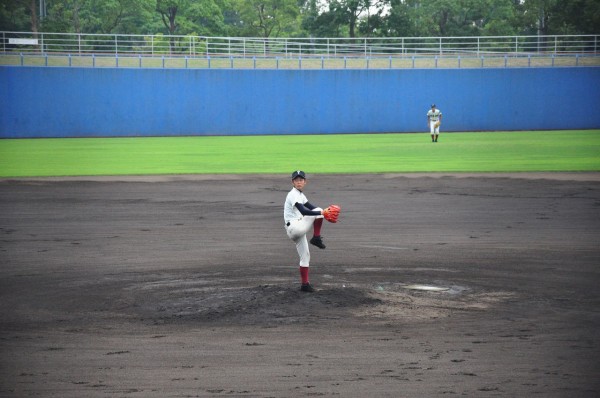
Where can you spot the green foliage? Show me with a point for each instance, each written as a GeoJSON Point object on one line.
{"type": "Point", "coordinates": [306, 18]}
{"type": "Point", "coordinates": [14, 16]}
{"type": "Point", "coordinates": [267, 18]}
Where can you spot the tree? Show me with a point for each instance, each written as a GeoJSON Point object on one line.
{"type": "Point", "coordinates": [14, 16]}
{"type": "Point", "coordinates": [398, 21]}
{"type": "Point", "coordinates": [321, 21]}
{"type": "Point", "coordinates": [567, 16]}
{"type": "Point", "coordinates": [317, 18]}
{"type": "Point", "coordinates": [499, 19]}
{"type": "Point", "coordinates": [207, 17]}
{"type": "Point", "coordinates": [349, 11]}
{"type": "Point", "coordinates": [168, 12]}
{"type": "Point", "coordinates": [28, 7]}
{"type": "Point", "coordinates": [309, 11]}
{"type": "Point", "coordinates": [266, 18]}
{"type": "Point", "coordinates": [452, 17]}
{"type": "Point", "coordinates": [346, 17]}
{"type": "Point", "coordinates": [589, 22]}
{"type": "Point", "coordinates": [89, 16]}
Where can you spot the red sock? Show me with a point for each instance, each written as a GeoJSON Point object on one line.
{"type": "Point", "coordinates": [317, 226]}
{"type": "Point", "coordinates": [304, 274]}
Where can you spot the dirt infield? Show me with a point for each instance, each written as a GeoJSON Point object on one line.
{"type": "Point", "coordinates": [188, 286]}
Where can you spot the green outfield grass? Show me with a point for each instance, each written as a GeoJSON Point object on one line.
{"type": "Point", "coordinates": [354, 153]}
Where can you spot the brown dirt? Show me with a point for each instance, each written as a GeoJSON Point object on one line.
{"type": "Point", "coordinates": [180, 286]}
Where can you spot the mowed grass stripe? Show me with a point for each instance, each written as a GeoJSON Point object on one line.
{"type": "Point", "coordinates": [353, 153]}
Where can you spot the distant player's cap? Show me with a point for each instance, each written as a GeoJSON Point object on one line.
{"type": "Point", "coordinates": [298, 173]}
{"type": "Point", "coordinates": [433, 105]}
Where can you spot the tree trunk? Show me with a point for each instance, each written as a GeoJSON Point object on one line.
{"type": "Point", "coordinates": [34, 17]}
{"type": "Point", "coordinates": [352, 26]}
{"type": "Point", "coordinates": [169, 22]}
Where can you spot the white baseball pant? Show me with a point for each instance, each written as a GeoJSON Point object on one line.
{"type": "Point", "coordinates": [433, 129]}
{"type": "Point", "coordinates": [297, 231]}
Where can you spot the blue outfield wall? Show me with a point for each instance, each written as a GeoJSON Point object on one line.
{"type": "Point", "coordinates": [93, 102]}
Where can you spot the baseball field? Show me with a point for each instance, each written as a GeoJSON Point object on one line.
{"type": "Point", "coordinates": [160, 267]}
{"type": "Point", "coordinates": [344, 153]}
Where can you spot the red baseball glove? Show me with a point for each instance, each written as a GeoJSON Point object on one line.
{"type": "Point", "coordinates": [332, 213]}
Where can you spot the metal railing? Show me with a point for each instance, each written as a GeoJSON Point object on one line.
{"type": "Point", "coordinates": [157, 51]}
{"type": "Point", "coordinates": [196, 46]}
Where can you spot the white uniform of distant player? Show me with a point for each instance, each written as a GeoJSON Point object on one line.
{"type": "Point", "coordinates": [433, 116]}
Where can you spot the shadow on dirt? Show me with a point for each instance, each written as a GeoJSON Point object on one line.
{"type": "Point", "coordinates": [260, 305]}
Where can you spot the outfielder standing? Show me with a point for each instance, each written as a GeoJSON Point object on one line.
{"type": "Point", "coordinates": [434, 119]}
{"type": "Point", "coordinates": [299, 216]}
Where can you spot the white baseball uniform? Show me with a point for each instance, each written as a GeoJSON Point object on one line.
{"type": "Point", "coordinates": [297, 225]}
{"type": "Point", "coordinates": [433, 117]}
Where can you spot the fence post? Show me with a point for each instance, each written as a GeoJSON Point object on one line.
{"type": "Point", "coordinates": [186, 62]}
{"type": "Point", "coordinates": [70, 63]}
{"type": "Point", "coordinates": [441, 51]}
{"type": "Point", "coordinates": [46, 61]}
{"type": "Point", "coordinates": [390, 62]}
{"type": "Point", "coordinates": [116, 46]}
{"type": "Point", "coordinates": [413, 62]}
{"type": "Point", "coordinates": [93, 60]}
{"type": "Point", "coordinates": [436, 62]}
{"type": "Point", "coordinates": [254, 61]}
{"type": "Point", "coordinates": [140, 60]}
{"type": "Point", "coordinates": [163, 61]}
{"type": "Point", "coordinates": [79, 42]}
{"type": "Point", "coordinates": [208, 59]}
{"type": "Point", "coordinates": [576, 59]}
{"type": "Point", "coordinates": [117, 60]}
{"type": "Point", "coordinates": [300, 62]}
{"type": "Point", "coordinates": [322, 62]}
{"type": "Point", "coordinates": [42, 45]}
{"type": "Point", "coordinates": [344, 62]}
{"type": "Point", "coordinates": [459, 62]}
{"type": "Point", "coordinates": [505, 61]}
{"type": "Point", "coordinates": [529, 60]}
{"type": "Point", "coordinates": [277, 62]}
{"type": "Point", "coordinates": [231, 61]}
{"type": "Point", "coordinates": [366, 52]}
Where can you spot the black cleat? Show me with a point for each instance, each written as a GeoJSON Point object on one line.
{"type": "Point", "coordinates": [307, 287]}
{"type": "Point", "coordinates": [317, 241]}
